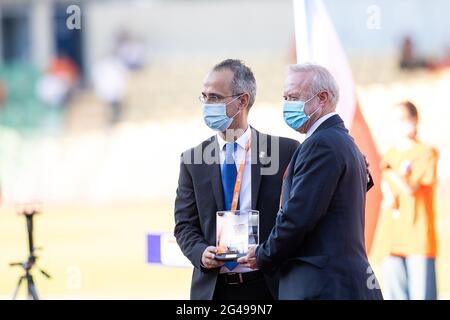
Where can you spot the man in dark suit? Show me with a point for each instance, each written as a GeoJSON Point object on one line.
{"type": "Point", "coordinates": [207, 181]}
{"type": "Point", "coordinates": [317, 243]}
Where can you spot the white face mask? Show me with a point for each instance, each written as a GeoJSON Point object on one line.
{"type": "Point", "coordinates": [215, 115]}
{"type": "Point", "coordinates": [407, 129]}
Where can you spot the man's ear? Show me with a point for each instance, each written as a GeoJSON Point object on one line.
{"type": "Point", "coordinates": [324, 97]}
{"type": "Point", "coordinates": [244, 101]}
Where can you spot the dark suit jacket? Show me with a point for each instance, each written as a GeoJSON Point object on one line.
{"type": "Point", "coordinates": [200, 196]}
{"type": "Point", "coordinates": [317, 244]}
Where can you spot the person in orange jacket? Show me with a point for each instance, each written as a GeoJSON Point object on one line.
{"type": "Point", "coordinates": [408, 185]}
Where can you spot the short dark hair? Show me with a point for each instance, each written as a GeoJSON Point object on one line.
{"type": "Point", "coordinates": [410, 108]}
{"type": "Point", "coordinates": [243, 78]}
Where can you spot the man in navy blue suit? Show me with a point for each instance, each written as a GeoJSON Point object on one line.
{"type": "Point", "coordinates": [317, 244]}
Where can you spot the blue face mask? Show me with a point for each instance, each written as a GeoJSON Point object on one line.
{"type": "Point", "coordinates": [294, 113]}
{"type": "Point", "coordinates": [215, 115]}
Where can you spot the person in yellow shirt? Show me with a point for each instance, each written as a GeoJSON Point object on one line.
{"type": "Point", "coordinates": [408, 185]}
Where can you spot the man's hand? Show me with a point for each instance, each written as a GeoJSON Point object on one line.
{"type": "Point", "coordinates": [405, 169]}
{"type": "Point", "coordinates": [367, 165]}
{"type": "Point", "coordinates": [370, 182]}
{"type": "Point", "coordinates": [250, 259]}
{"type": "Point", "coordinates": [208, 261]}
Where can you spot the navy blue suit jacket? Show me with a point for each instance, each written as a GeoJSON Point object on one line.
{"type": "Point", "coordinates": [317, 245]}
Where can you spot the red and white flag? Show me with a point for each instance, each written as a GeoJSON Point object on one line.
{"type": "Point", "coordinates": [317, 42]}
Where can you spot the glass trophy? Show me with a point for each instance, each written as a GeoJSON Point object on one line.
{"type": "Point", "coordinates": [236, 232]}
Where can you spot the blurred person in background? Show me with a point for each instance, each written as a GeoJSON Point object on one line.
{"type": "Point", "coordinates": [408, 185]}
{"type": "Point", "coordinates": [409, 60]}
{"type": "Point", "coordinates": [58, 82]}
{"type": "Point", "coordinates": [109, 80]}
{"type": "Point", "coordinates": [131, 50]}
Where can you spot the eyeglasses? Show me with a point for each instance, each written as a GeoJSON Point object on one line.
{"type": "Point", "coordinates": [216, 98]}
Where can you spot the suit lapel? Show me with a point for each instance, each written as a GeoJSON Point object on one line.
{"type": "Point", "coordinates": [216, 177]}
{"type": "Point", "coordinates": [256, 148]}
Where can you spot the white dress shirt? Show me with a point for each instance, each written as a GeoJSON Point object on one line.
{"type": "Point", "coordinates": [245, 194]}
{"type": "Point", "coordinates": [318, 123]}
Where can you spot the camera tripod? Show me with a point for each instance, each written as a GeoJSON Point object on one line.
{"type": "Point", "coordinates": [30, 263]}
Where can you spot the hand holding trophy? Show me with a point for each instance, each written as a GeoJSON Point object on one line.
{"type": "Point", "coordinates": [237, 230]}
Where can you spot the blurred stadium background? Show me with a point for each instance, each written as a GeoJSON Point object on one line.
{"type": "Point", "coordinates": [106, 178]}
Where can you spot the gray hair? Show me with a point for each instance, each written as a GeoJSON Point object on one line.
{"type": "Point", "coordinates": [243, 79]}
{"type": "Point", "coordinates": [322, 80]}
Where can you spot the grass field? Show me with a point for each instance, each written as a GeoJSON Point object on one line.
{"type": "Point", "coordinates": [100, 252]}
{"type": "Point", "coordinates": [92, 253]}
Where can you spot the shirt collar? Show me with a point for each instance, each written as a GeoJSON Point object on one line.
{"type": "Point", "coordinates": [318, 123]}
{"type": "Point", "coordinates": [241, 141]}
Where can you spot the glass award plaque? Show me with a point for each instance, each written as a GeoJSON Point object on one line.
{"type": "Point", "coordinates": [236, 232]}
